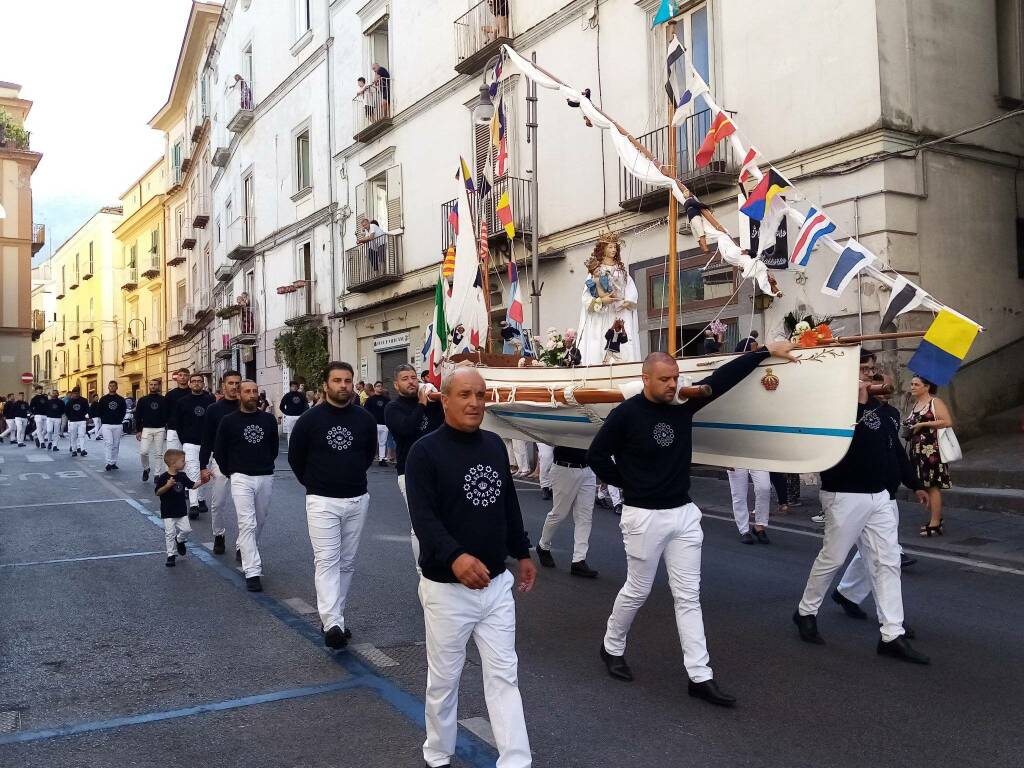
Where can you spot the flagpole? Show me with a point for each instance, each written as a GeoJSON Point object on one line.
{"type": "Point", "coordinates": [486, 267]}
{"type": "Point", "coordinates": [673, 288]}
{"type": "Point", "coordinates": [535, 285]}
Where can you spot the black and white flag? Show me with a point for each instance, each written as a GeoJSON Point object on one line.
{"type": "Point", "coordinates": [905, 297]}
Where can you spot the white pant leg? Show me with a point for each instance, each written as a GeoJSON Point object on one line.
{"type": "Point", "coordinates": [856, 582]}
{"type": "Point", "coordinates": [52, 429]}
{"type": "Point", "coordinates": [111, 441]}
{"type": "Point", "coordinates": [382, 441]}
{"type": "Point", "coordinates": [21, 424]}
{"type": "Point", "coordinates": [450, 613]}
{"type": "Point", "coordinates": [738, 487]}
{"type": "Point", "coordinates": [97, 427]}
{"type": "Point", "coordinates": [522, 455]}
{"type": "Point", "coordinates": [682, 561]}
{"type": "Point", "coordinates": [76, 435]}
{"type": "Point", "coordinates": [335, 527]}
{"type": "Point", "coordinates": [288, 424]}
{"type": "Point", "coordinates": [412, 534]}
{"type": "Point", "coordinates": [495, 637]}
{"type": "Point", "coordinates": [251, 495]}
{"type": "Point", "coordinates": [191, 451]}
{"type": "Point", "coordinates": [176, 529]}
{"type": "Point", "coordinates": [172, 439]}
{"type": "Point", "coordinates": [220, 496]}
{"type": "Point", "coordinates": [845, 517]}
{"type": "Point", "coordinates": [881, 550]}
{"type": "Point", "coordinates": [762, 482]}
{"type": "Point", "coordinates": [546, 459]}
{"type": "Point", "coordinates": [644, 534]}
{"type": "Point", "coordinates": [583, 515]}
{"type": "Point", "coordinates": [565, 484]}
{"type": "Point", "coordinates": [151, 442]}
{"type": "Point", "coordinates": [10, 428]}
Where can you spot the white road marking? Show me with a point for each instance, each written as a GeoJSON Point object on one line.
{"type": "Point", "coordinates": [60, 503]}
{"type": "Point", "coordinates": [81, 559]}
{"type": "Point", "coordinates": [373, 654]}
{"type": "Point", "coordinates": [36, 459]}
{"type": "Point", "coordinates": [299, 605]}
{"type": "Point", "coordinates": [480, 727]}
{"type": "Point", "coordinates": [392, 537]}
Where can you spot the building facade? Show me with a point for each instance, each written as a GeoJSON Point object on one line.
{"type": "Point", "coordinates": [141, 297]}
{"type": "Point", "coordinates": [20, 238]}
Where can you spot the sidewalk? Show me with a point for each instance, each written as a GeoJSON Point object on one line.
{"type": "Point", "coordinates": [989, 536]}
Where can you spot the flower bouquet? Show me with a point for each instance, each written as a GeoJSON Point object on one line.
{"type": "Point", "coordinates": [808, 331]}
{"type": "Point", "coordinates": [557, 349]}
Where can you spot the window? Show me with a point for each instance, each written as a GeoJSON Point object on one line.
{"type": "Point", "coordinates": [91, 263]}
{"type": "Point", "coordinates": [303, 180]}
{"type": "Point", "coordinates": [49, 365]}
{"type": "Point", "coordinates": [302, 17]}
{"type": "Point", "coordinates": [154, 242]}
{"type": "Point", "coordinates": [248, 207]}
{"type": "Point", "coordinates": [693, 29]}
{"type": "Point", "coordinates": [216, 231]}
{"type": "Point", "coordinates": [154, 313]}
{"type": "Point", "coordinates": [92, 310]}
{"type": "Point", "coordinates": [1010, 46]}
{"type": "Point", "coordinates": [176, 160]}
{"type": "Point", "coordinates": [78, 269]}
{"type": "Point", "coordinates": [35, 367]}
{"type": "Point", "coordinates": [133, 258]}
{"type": "Point", "coordinates": [204, 101]}
{"type": "Point", "coordinates": [482, 148]}
{"type": "Point", "coordinates": [247, 73]}
{"type": "Point", "coordinates": [380, 199]}
{"type": "Point", "coordinates": [377, 49]}
{"type": "Point", "coordinates": [180, 298]}
{"type": "Point", "coordinates": [698, 288]}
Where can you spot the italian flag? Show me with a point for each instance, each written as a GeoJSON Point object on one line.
{"type": "Point", "coordinates": [439, 336]}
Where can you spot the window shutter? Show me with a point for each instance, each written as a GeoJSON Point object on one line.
{"type": "Point", "coordinates": [481, 143]}
{"type": "Point", "coordinates": [360, 203]}
{"type": "Point", "coordinates": [394, 194]}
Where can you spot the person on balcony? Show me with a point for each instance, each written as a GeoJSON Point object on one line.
{"type": "Point", "coordinates": [382, 84]}
{"type": "Point", "coordinates": [244, 92]}
{"type": "Point", "coordinates": [373, 237]}
{"type": "Point", "coordinates": [499, 10]}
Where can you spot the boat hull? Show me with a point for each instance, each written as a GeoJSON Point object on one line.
{"type": "Point", "coordinates": [803, 424]}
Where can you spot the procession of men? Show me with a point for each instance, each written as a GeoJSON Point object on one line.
{"type": "Point", "coordinates": [215, 453]}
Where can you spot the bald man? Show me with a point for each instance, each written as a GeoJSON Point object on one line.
{"type": "Point", "coordinates": [644, 447]}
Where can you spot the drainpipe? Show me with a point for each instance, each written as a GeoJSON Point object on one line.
{"type": "Point", "coordinates": [860, 294]}
{"type": "Point", "coordinates": [331, 202]}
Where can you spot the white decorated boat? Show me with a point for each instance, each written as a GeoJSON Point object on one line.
{"type": "Point", "coordinates": [784, 417]}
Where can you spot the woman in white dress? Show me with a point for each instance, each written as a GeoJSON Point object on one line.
{"type": "Point", "coordinates": [608, 295]}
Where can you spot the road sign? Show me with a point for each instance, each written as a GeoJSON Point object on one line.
{"type": "Point", "coordinates": [26, 378]}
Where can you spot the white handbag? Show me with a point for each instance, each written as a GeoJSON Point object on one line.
{"type": "Point", "coordinates": [949, 446]}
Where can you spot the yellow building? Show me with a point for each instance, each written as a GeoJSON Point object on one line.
{"type": "Point", "coordinates": [81, 337]}
{"type": "Point", "coordinates": [140, 304]}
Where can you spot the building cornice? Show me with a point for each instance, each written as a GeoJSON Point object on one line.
{"type": "Point", "coordinates": [201, 18]}
{"type": "Point", "coordinates": [152, 207]}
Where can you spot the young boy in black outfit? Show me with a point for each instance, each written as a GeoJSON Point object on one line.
{"type": "Point", "coordinates": [172, 487]}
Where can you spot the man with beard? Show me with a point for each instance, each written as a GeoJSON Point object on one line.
{"type": "Point", "coordinates": [112, 409]}
{"type": "Point", "coordinates": [245, 449]}
{"type": "Point", "coordinates": [209, 471]}
{"type": "Point", "coordinates": [293, 405]}
{"type": "Point", "coordinates": [187, 422]}
{"type": "Point", "coordinates": [54, 411]}
{"type": "Point", "coordinates": [37, 409]}
{"type": "Point", "coordinates": [181, 378]}
{"type": "Point", "coordinates": [77, 411]}
{"type": "Point", "coordinates": [151, 428]}
{"type": "Point", "coordinates": [330, 449]}
{"type": "Point", "coordinates": [376, 403]}
{"type": "Point", "coordinates": [409, 417]}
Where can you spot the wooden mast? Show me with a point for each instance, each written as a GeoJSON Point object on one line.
{"type": "Point", "coordinates": [673, 270]}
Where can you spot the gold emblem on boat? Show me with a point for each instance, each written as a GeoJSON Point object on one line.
{"type": "Point", "coordinates": [770, 381]}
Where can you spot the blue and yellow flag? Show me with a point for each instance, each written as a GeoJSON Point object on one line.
{"type": "Point", "coordinates": [943, 348]}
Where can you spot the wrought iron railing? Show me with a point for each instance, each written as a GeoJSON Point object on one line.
{"type": "Point", "coordinates": [519, 202]}
{"type": "Point", "coordinates": [374, 262]}
{"type": "Point", "coordinates": [482, 28]}
{"type": "Point", "coordinates": [373, 106]}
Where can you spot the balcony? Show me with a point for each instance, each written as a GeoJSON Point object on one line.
{"type": "Point", "coordinates": [720, 173]}
{"type": "Point", "coordinates": [372, 110]}
{"type": "Point", "coordinates": [75, 334]}
{"type": "Point", "coordinates": [203, 305]}
{"type": "Point", "coordinates": [197, 131]}
{"type": "Point", "coordinates": [240, 237]}
{"type": "Point", "coordinates": [187, 238]}
{"type": "Point", "coordinates": [87, 271]}
{"type": "Point", "coordinates": [186, 163]}
{"type": "Point", "coordinates": [132, 343]}
{"type": "Point", "coordinates": [222, 342]}
{"type": "Point", "coordinates": [131, 279]}
{"type": "Point", "coordinates": [519, 201]}
{"type": "Point", "coordinates": [187, 318]}
{"type": "Point", "coordinates": [175, 257]}
{"type": "Point", "coordinates": [38, 237]}
{"type": "Point", "coordinates": [151, 265]}
{"type": "Point", "coordinates": [375, 263]}
{"type": "Point", "coordinates": [223, 273]}
{"type": "Point", "coordinates": [300, 306]}
{"type": "Point", "coordinates": [62, 291]}
{"type": "Point", "coordinates": [480, 33]}
{"type": "Point", "coordinates": [15, 137]}
{"type": "Point", "coordinates": [203, 360]}
{"type": "Point", "coordinates": [242, 326]}
{"type": "Point", "coordinates": [73, 283]}
{"type": "Point", "coordinates": [154, 338]}
{"type": "Point", "coordinates": [38, 323]}
{"type": "Point", "coordinates": [176, 177]}
{"type": "Point", "coordinates": [201, 212]}
{"type": "Point", "coordinates": [240, 107]}
{"type": "Point", "coordinates": [88, 325]}
{"type": "Point", "coordinates": [175, 328]}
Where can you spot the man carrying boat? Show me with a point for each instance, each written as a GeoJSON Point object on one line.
{"type": "Point", "coordinates": [644, 447]}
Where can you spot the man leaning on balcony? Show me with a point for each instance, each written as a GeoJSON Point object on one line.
{"type": "Point", "coordinates": [373, 235]}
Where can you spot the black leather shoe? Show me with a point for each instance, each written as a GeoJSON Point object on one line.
{"type": "Point", "coordinates": [616, 665]}
{"type": "Point", "coordinates": [82, 453]}
{"type": "Point", "coordinates": [145, 475]}
{"type": "Point", "coordinates": [711, 693]}
{"type": "Point", "coordinates": [808, 627]}
{"type": "Point", "coordinates": [203, 509]}
{"type": "Point", "coordinates": [906, 561]}
{"type": "Point", "coordinates": [580, 568]}
{"type": "Point", "coordinates": [852, 610]}
{"type": "Point", "coordinates": [545, 493]}
{"type": "Point", "coordinates": [900, 648]}
{"type": "Point", "coordinates": [253, 584]}
{"type": "Point", "coordinates": [107, 469]}
{"type": "Point", "coordinates": [193, 512]}
{"type": "Point", "coordinates": [544, 555]}
{"type": "Point", "coordinates": [336, 638]}
{"type": "Point", "coordinates": [762, 536]}
{"type": "Point", "coordinates": [170, 561]}
{"type": "Point", "coordinates": [747, 538]}
{"type": "Point", "coordinates": [218, 545]}
{"type": "Point", "coordinates": [181, 548]}
{"type": "Point", "coordinates": [908, 632]}
{"type": "Point", "coordinates": [428, 765]}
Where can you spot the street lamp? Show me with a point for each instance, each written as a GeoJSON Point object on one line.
{"type": "Point", "coordinates": [142, 339]}
{"type": "Point", "coordinates": [483, 112]}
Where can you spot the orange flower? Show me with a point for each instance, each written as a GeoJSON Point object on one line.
{"type": "Point", "coordinates": [808, 339]}
{"type": "Point", "coordinates": [824, 332]}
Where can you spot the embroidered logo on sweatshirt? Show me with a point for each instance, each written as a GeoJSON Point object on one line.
{"type": "Point", "coordinates": [112, 405]}
{"type": "Point", "coordinates": [663, 434]}
{"type": "Point", "coordinates": [199, 410]}
{"type": "Point", "coordinates": [339, 438]}
{"type": "Point", "coordinates": [871, 420]}
{"type": "Point", "coordinates": [253, 434]}
{"type": "Point", "coordinates": [424, 423]}
{"type": "Point", "coordinates": [482, 485]}
{"type": "Point", "coordinates": [154, 405]}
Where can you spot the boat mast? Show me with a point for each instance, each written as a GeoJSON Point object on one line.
{"type": "Point", "coordinates": [673, 288]}
{"type": "Point", "coordinates": [531, 136]}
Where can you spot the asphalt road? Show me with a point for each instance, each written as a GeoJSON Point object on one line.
{"type": "Point", "coordinates": [107, 658]}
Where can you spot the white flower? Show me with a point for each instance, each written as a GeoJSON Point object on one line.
{"type": "Point", "coordinates": [802, 326]}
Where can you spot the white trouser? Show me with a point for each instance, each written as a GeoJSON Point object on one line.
{"type": "Point", "coordinates": [112, 441]}
{"type": "Point", "coordinates": [856, 582]}
{"type": "Point", "coordinates": [412, 534]}
{"type": "Point", "coordinates": [76, 434]}
{"type": "Point", "coordinates": [20, 425]}
{"type": "Point", "coordinates": [545, 458]}
{"type": "Point", "coordinates": [648, 534]}
{"type": "Point", "coordinates": [288, 423]}
{"type": "Point", "coordinates": [335, 526]}
{"type": "Point", "coordinates": [251, 495]}
{"type": "Point", "coordinates": [521, 456]}
{"type": "Point", "coordinates": [176, 529]}
{"type": "Point", "coordinates": [10, 428]}
{"type": "Point", "coordinates": [97, 427]}
{"type": "Point", "coordinates": [762, 497]}
{"type": "Point", "coordinates": [864, 519]}
{"type": "Point", "coordinates": [191, 451]}
{"type": "Point", "coordinates": [572, 490]}
{"type": "Point", "coordinates": [220, 495]}
{"type": "Point", "coordinates": [382, 442]}
{"type": "Point", "coordinates": [52, 429]}
{"type": "Point", "coordinates": [452, 614]}
{"type": "Point", "coordinates": [151, 448]}
{"type": "Point", "coordinates": [172, 439]}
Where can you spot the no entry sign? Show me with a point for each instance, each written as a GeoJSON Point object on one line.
{"type": "Point", "coordinates": [26, 378]}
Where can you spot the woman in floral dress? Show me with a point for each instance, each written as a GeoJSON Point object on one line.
{"type": "Point", "coordinates": [928, 416]}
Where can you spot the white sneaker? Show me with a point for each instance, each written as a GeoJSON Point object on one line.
{"type": "Point", "coordinates": [819, 519]}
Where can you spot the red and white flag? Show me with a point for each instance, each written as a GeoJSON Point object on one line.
{"type": "Point", "coordinates": [748, 163]}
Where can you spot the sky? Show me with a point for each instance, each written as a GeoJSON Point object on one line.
{"type": "Point", "coordinates": [96, 72]}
